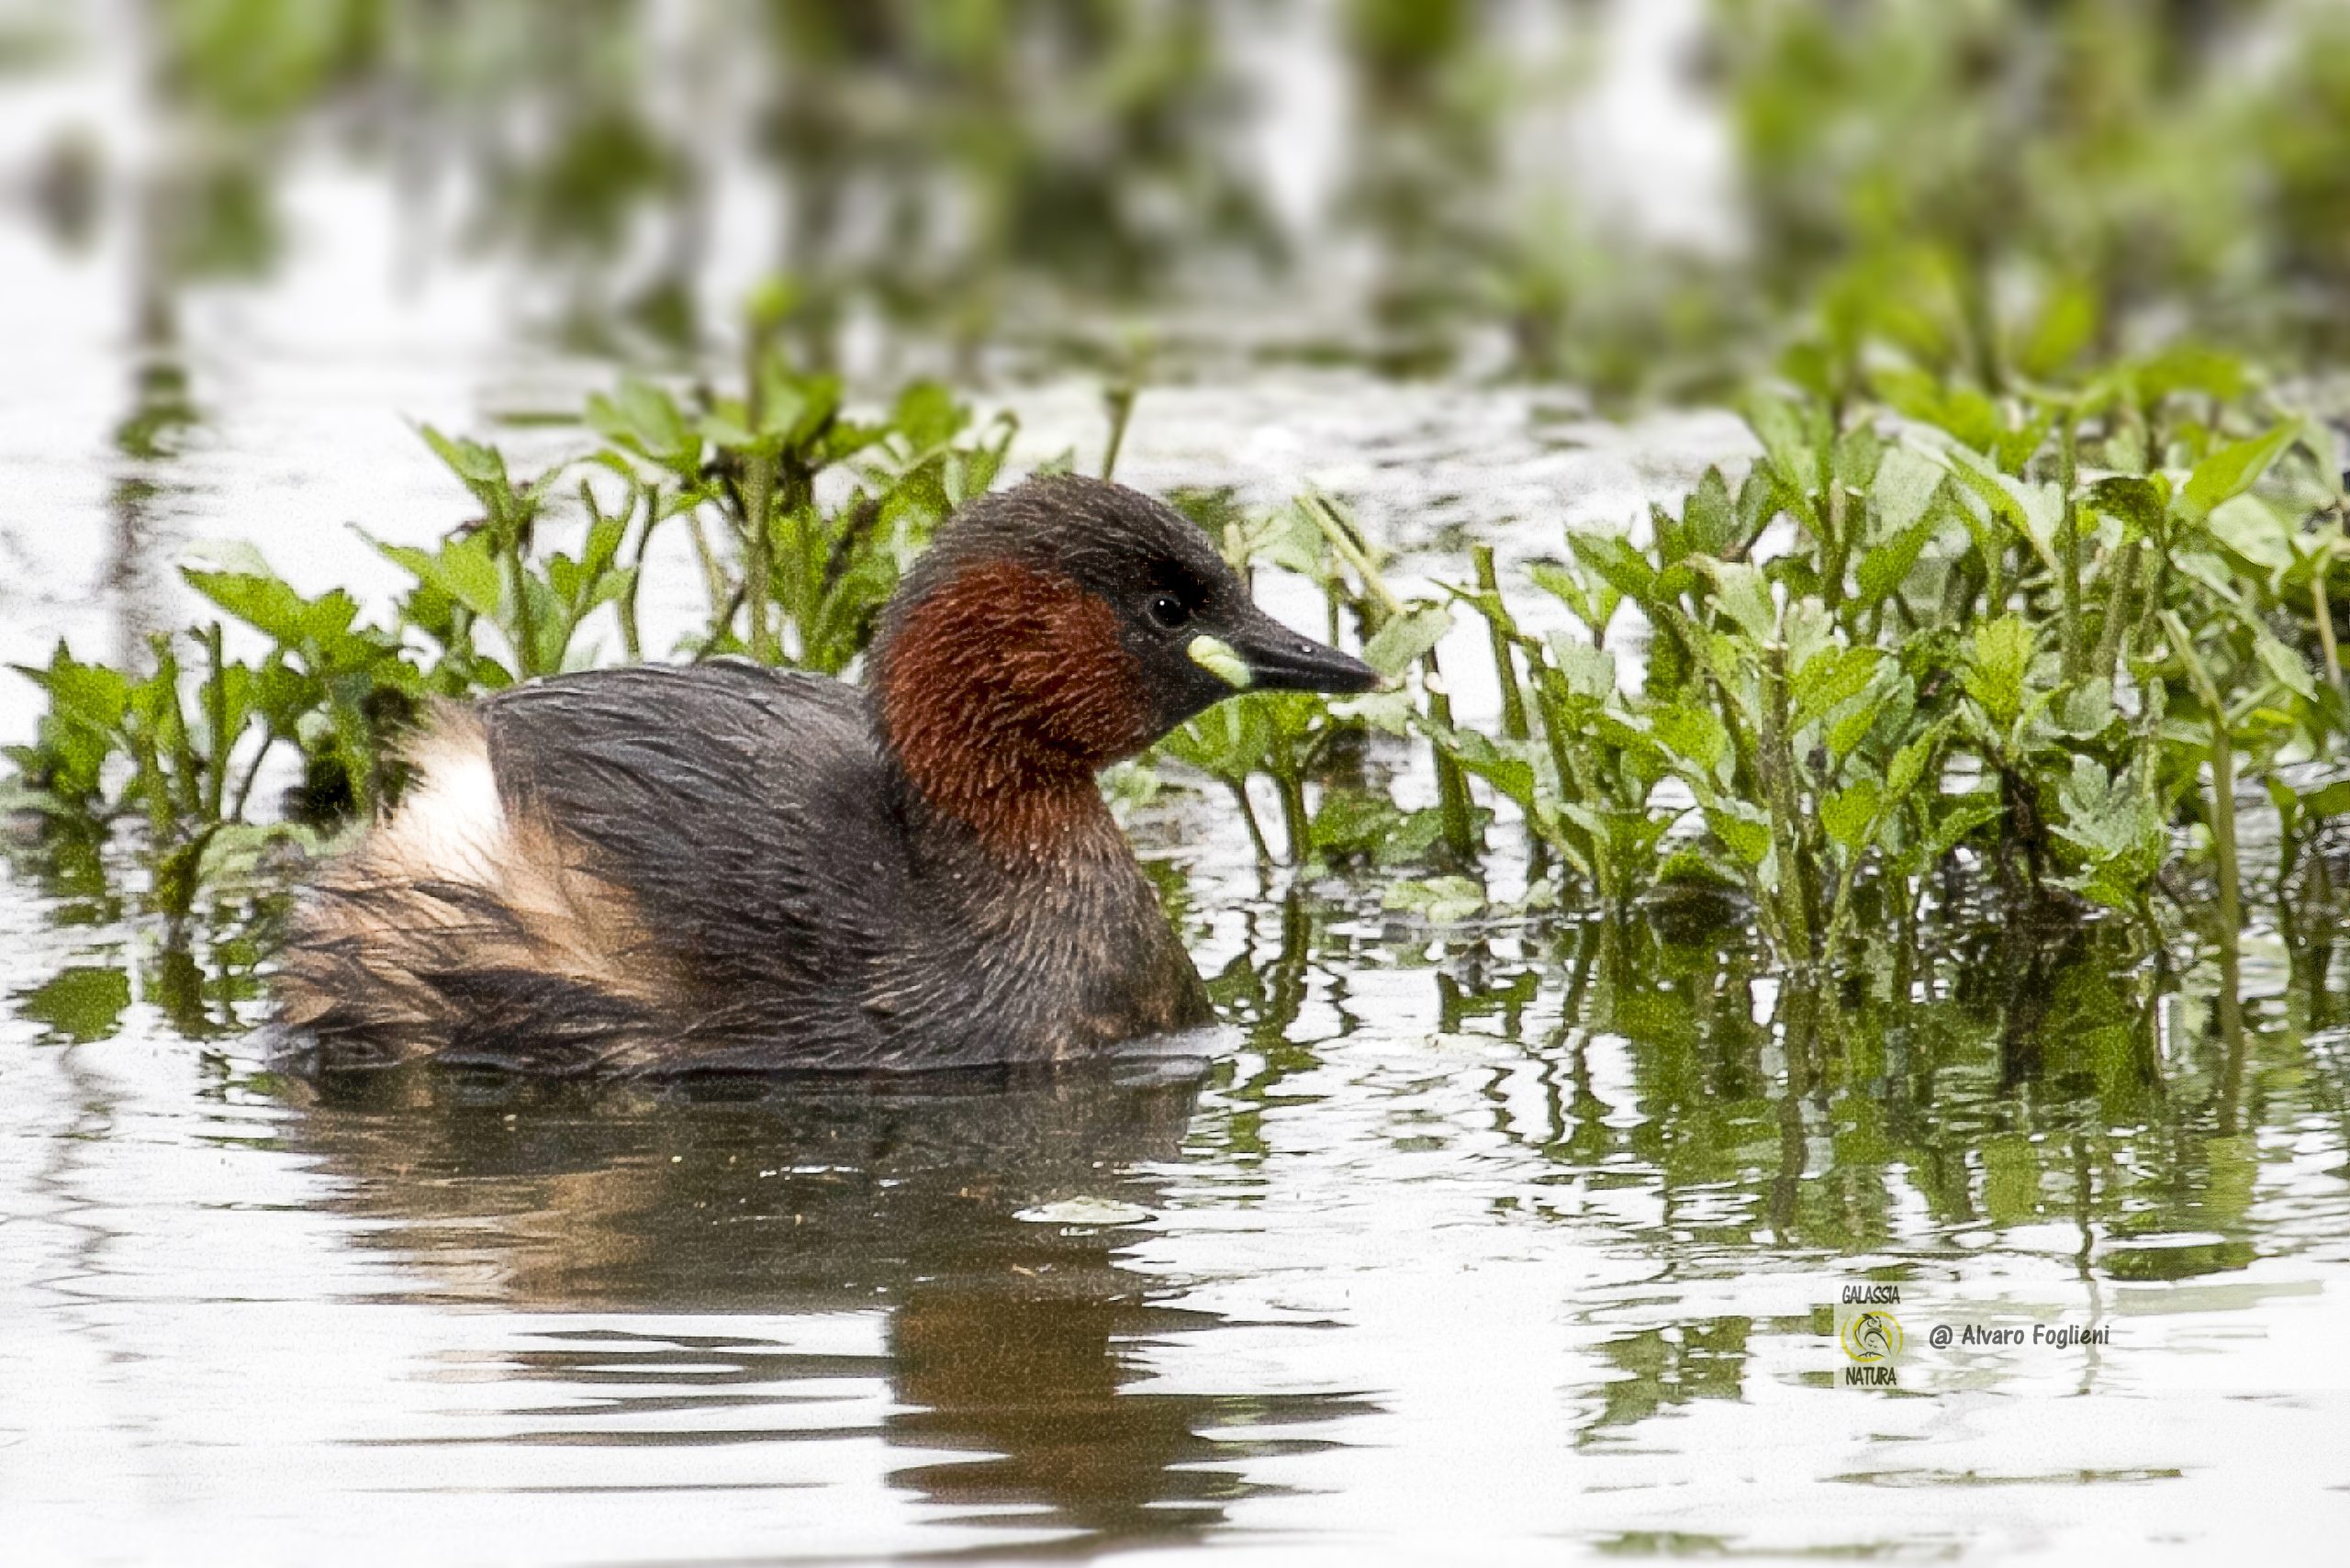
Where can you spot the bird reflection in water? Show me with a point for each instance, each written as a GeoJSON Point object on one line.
{"type": "Point", "coordinates": [1013, 1340]}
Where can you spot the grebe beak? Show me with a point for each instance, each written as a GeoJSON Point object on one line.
{"type": "Point", "coordinates": [1258, 653]}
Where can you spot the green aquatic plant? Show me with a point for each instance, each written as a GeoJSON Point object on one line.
{"type": "Point", "coordinates": [1292, 740]}
{"type": "Point", "coordinates": [510, 595]}
{"type": "Point", "coordinates": [1980, 626]}
{"type": "Point", "coordinates": [791, 576]}
{"type": "Point", "coordinates": [176, 750]}
{"type": "Point", "coordinates": [1933, 638]}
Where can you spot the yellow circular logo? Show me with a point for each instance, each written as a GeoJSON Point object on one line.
{"type": "Point", "coordinates": [1872, 1337]}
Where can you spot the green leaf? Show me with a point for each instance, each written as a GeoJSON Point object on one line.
{"type": "Point", "coordinates": [2231, 471]}
{"type": "Point", "coordinates": [1595, 604]}
{"type": "Point", "coordinates": [1961, 412]}
{"type": "Point", "coordinates": [1230, 741]}
{"type": "Point", "coordinates": [1850, 814]}
{"type": "Point", "coordinates": [1908, 766]}
{"type": "Point", "coordinates": [1831, 677]}
{"type": "Point", "coordinates": [2189, 367]}
{"type": "Point", "coordinates": [2213, 572]}
{"type": "Point", "coordinates": [1514, 776]}
{"type": "Point", "coordinates": [94, 695]}
{"type": "Point", "coordinates": [1960, 817]}
{"type": "Point", "coordinates": [2087, 709]}
{"type": "Point", "coordinates": [1887, 565]}
{"type": "Point", "coordinates": [1859, 453]}
{"type": "Point", "coordinates": [2328, 799]}
{"type": "Point", "coordinates": [1744, 595]}
{"type": "Point", "coordinates": [2116, 828]}
{"type": "Point", "coordinates": [2289, 669]}
{"type": "Point", "coordinates": [1406, 638]}
{"type": "Point", "coordinates": [1999, 667]}
{"type": "Point", "coordinates": [2254, 530]}
{"type": "Point", "coordinates": [1282, 537]}
{"type": "Point", "coordinates": [2035, 511]}
{"type": "Point", "coordinates": [927, 415]}
{"type": "Point", "coordinates": [1794, 438]}
{"type": "Point", "coordinates": [1709, 521]}
{"type": "Point", "coordinates": [1389, 712]}
{"type": "Point", "coordinates": [1695, 735]}
{"type": "Point", "coordinates": [1883, 707]}
{"type": "Point", "coordinates": [482, 469]}
{"type": "Point", "coordinates": [725, 427]}
{"type": "Point", "coordinates": [644, 419]}
{"type": "Point", "coordinates": [1743, 830]}
{"type": "Point", "coordinates": [2064, 325]}
{"type": "Point", "coordinates": [1590, 672]}
{"type": "Point", "coordinates": [1906, 482]}
{"type": "Point", "coordinates": [2141, 503]}
{"type": "Point", "coordinates": [1621, 566]}
{"type": "Point", "coordinates": [262, 600]}
{"type": "Point", "coordinates": [466, 568]}
{"type": "Point", "coordinates": [1360, 823]}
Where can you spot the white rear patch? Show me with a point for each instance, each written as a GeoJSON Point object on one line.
{"type": "Point", "coordinates": [451, 824]}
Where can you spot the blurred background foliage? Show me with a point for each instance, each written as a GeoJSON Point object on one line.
{"type": "Point", "coordinates": [1996, 187]}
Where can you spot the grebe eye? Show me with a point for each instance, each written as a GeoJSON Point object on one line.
{"type": "Point", "coordinates": [1168, 610]}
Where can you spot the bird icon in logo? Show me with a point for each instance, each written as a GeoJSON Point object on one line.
{"type": "Point", "coordinates": [1872, 1337]}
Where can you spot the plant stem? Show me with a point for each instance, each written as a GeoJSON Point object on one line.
{"type": "Point", "coordinates": [1121, 400]}
{"type": "Point", "coordinates": [514, 542]}
{"type": "Point", "coordinates": [1550, 696]}
{"type": "Point", "coordinates": [719, 625]}
{"type": "Point", "coordinates": [1295, 821]}
{"type": "Point", "coordinates": [2117, 612]}
{"type": "Point", "coordinates": [253, 773]}
{"type": "Point", "coordinates": [1513, 722]}
{"type": "Point", "coordinates": [216, 691]}
{"type": "Point", "coordinates": [713, 577]}
{"type": "Point", "coordinates": [1777, 764]}
{"type": "Point", "coordinates": [1836, 549]}
{"type": "Point", "coordinates": [2223, 801]}
{"type": "Point", "coordinates": [2322, 612]}
{"type": "Point", "coordinates": [185, 770]}
{"type": "Point", "coordinates": [1451, 784]}
{"type": "Point", "coordinates": [2150, 607]}
{"type": "Point", "coordinates": [1840, 916]}
{"type": "Point", "coordinates": [1341, 538]}
{"type": "Point", "coordinates": [759, 508]}
{"type": "Point", "coordinates": [631, 639]}
{"type": "Point", "coordinates": [758, 559]}
{"type": "Point", "coordinates": [2070, 557]}
{"type": "Point", "coordinates": [1240, 787]}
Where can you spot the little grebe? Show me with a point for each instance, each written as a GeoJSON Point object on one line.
{"type": "Point", "coordinates": [731, 868]}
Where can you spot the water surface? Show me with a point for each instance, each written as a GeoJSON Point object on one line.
{"type": "Point", "coordinates": [1522, 1236]}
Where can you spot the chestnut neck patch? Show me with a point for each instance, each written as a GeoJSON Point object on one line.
{"type": "Point", "coordinates": [1002, 693]}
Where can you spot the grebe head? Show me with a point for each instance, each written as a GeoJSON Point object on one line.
{"type": "Point", "coordinates": [1056, 627]}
